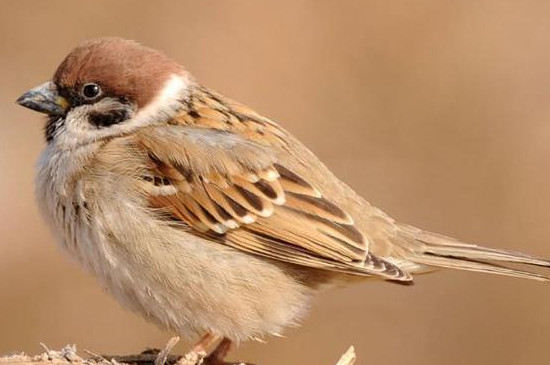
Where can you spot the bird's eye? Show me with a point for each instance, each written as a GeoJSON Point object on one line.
{"type": "Point", "coordinates": [91, 91]}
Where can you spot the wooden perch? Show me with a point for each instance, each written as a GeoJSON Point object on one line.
{"type": "Point", "coordinates": [68, 356]}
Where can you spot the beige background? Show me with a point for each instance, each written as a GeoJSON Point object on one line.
{"type": "Point", "coordinates": [437, 111]}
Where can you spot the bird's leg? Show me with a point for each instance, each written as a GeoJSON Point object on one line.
{"type": "Point", "coordinates": [218, 355]}
{"type": "Point", "coordinates": [199, 350]}
{"type": "Point", "coordinates": [204, 343]}
{"type": "Point", "coordinates": [197, 355]}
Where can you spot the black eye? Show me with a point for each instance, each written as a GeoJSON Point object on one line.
{"type": "Point", "coordinates": [91, 91]}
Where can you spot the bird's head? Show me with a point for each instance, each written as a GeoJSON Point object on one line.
{"type": "Point", "coordinates": [107, 87]}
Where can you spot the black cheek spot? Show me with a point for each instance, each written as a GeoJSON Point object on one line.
{"type": "Point", "coordinates": [107, 119]}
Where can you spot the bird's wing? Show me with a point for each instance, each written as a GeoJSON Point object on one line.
{"type": "Point", "coordinates": [232, 190]}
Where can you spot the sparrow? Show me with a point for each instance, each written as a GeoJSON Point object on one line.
{"type": "Point", "coordinates": [201, 214]}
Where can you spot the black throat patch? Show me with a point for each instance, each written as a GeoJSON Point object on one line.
{"type": "Point", "coordinates": [53, 125]}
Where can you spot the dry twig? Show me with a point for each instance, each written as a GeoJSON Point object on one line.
{"type": "Point", "coordinates": [68, 356]}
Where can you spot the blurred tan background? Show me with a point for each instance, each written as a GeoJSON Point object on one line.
{"type": "Point", "coordinates": [436, 111]}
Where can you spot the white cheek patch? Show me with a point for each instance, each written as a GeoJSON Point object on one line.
{"type": "Point", "coordinates": [167, 102]}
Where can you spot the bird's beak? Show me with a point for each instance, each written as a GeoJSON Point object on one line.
{"type": "Point", "coordinates": [44, 99]}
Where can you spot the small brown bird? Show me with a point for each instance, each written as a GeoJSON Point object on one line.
{"type": "Point", "coordinates": [204, 216]}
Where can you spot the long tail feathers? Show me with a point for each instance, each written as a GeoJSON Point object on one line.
{"type": "Point", "coordinates": [436, 250]}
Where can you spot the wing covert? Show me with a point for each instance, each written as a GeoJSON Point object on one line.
{"type": "Point", "coordinates": [222, 185]}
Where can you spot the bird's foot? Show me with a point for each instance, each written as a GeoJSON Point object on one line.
{"type": "Point", "coordinates": [198, 354]}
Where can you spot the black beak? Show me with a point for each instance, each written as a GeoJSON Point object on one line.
{"type": "Point", "coordinates": [44, 99]}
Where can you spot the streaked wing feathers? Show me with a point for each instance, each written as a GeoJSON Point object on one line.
{"type": "Point", "coordinates": [225, 186]}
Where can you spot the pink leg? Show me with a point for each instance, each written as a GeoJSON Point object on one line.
{"type": "Point", "coordinates": [205, 343]}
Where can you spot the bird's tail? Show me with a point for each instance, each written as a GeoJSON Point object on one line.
{"type": "Point", "coordinates": [431, 250]}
